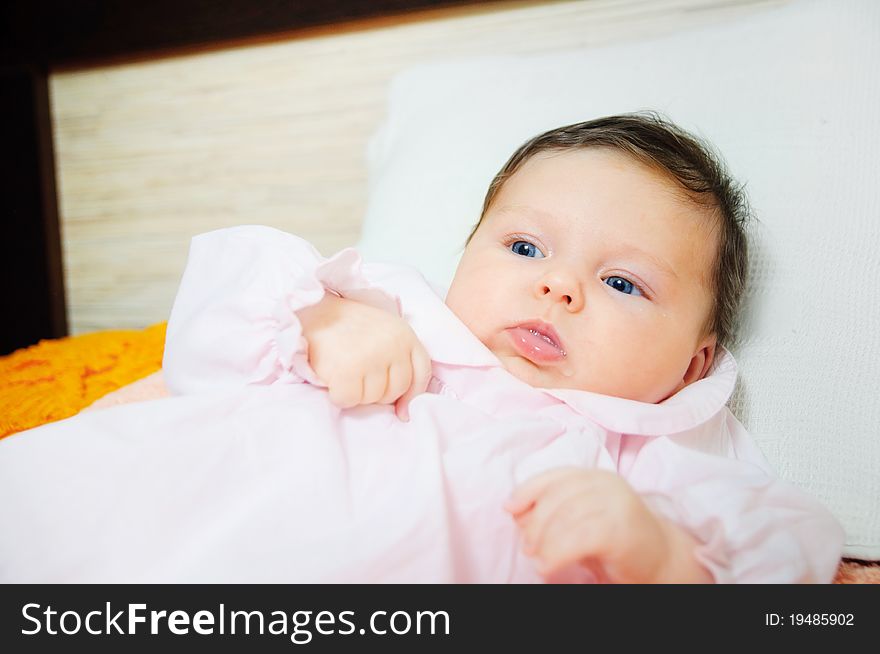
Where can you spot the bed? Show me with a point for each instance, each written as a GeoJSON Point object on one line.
{"type": "Point", "coordinates": [317, 125]}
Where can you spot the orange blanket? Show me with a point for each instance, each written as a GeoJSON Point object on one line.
{"type": "Point", "coordinates": [57, 378]}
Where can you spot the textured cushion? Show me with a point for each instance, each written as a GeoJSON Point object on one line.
{"type": "Point", "coordinates": [790, 99]}
{"type": "Point", "coordinates": [56, 378]}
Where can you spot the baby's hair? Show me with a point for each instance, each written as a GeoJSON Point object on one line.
{"type": "Point", "coordinates": [692, 164]}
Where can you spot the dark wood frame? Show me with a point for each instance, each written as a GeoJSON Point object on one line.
{"type": "Point", "coordinates": [39, 36]}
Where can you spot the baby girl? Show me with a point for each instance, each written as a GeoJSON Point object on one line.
{"type": "Point", "coordinates": [560, 417]}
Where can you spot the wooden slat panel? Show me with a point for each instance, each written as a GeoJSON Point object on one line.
{"type": "Point", "coordinates": [152, 152]}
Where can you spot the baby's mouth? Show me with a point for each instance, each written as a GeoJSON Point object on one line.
{"type": "Point", "coordinates": [537, 341]}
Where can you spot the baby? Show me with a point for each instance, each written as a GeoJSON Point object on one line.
{"type": "Point", "coordinates": [609, 257]}
{"type": "Point", "coordinates": [559, 417]}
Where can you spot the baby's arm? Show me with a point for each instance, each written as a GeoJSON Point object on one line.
{"type": "Point", "coordinates": [751, 526]}
{"type": "Point", "coordinates": [699, 506]}
{"type": "Point", "coordinates": [364, 355]}
{"type": "Point", "coordinates": [236, 317]}
{"type": "Point", "coordinates": [593, 518]}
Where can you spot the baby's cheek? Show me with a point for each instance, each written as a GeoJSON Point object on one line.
{"type": "Point", "coordinates": [621, 372]}
{"type": "Point", "coordinates": [469, 314]}
{"type": "Point", "coordinates": [650, 381]}
{"type": "Point", "coordinates": [457, 303]}
{"type": "Point", "coordinates": [480, 311]}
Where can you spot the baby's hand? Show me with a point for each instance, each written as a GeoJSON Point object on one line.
{"type": "Point", "coordinates": [364, 355]}
{"type": "Point", "coordinates": [594, 518]}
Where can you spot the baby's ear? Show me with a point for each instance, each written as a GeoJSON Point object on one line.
{"type": "Point", "coordinates": [701, 361]}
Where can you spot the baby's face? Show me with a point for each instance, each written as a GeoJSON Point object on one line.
{"type": "Point", "coordinates": [602, 252]}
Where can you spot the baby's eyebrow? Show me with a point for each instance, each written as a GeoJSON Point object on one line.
{"type": "Point", "coordinates": [528, 212]}
{"type": "Point", "coordinates": [534, 218]}
{"type": "Point", "coordinates": [661, 265]}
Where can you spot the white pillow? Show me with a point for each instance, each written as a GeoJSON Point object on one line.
{"type": "Point", "coordinates": [789, 96]}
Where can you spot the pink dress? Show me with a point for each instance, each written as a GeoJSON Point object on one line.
{"type": "Point", "coordinates": [248, 473]}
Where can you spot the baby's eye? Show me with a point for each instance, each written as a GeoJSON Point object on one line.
{"type": "Point", "coordinates": [526, 249]}
{"type": "Point", "coordinates": [623, 285]}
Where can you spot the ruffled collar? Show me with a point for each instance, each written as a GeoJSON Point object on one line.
{"type": "Point", "coordinates": [689, 408]}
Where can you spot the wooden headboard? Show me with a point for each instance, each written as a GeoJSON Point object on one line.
{"type": "Point", "coordinates": [152, 146]}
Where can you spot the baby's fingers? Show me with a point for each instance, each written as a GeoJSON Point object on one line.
{"type": "Point", "coordinates": [421, 377]}
{"type": "Point", "coordinates": [555, 506]}
{"type": "Point", "coordinates": [527, 494]}
{"type": "Point", "coordinates": [572, 536]}
{"type": "Point", "coordinates": [375, 385]}
{"type": "Point", "coordinates": [346, 390]}
{"type": "Point", "coordinates": [399, 380]}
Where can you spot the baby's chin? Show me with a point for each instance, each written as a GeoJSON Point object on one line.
{"type": "Point", "coordinates": [534, 375]}
{"type": "Point", "coordinates": [560, 375]}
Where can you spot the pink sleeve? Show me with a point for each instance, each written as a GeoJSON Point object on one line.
{"type": "Point", "coordinates": [752, 526]}
{"type": "Point", "coordinates": [234, 318]}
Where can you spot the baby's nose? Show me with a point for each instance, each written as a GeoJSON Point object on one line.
{"type": "Point", "coordinates": [561, 288]}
